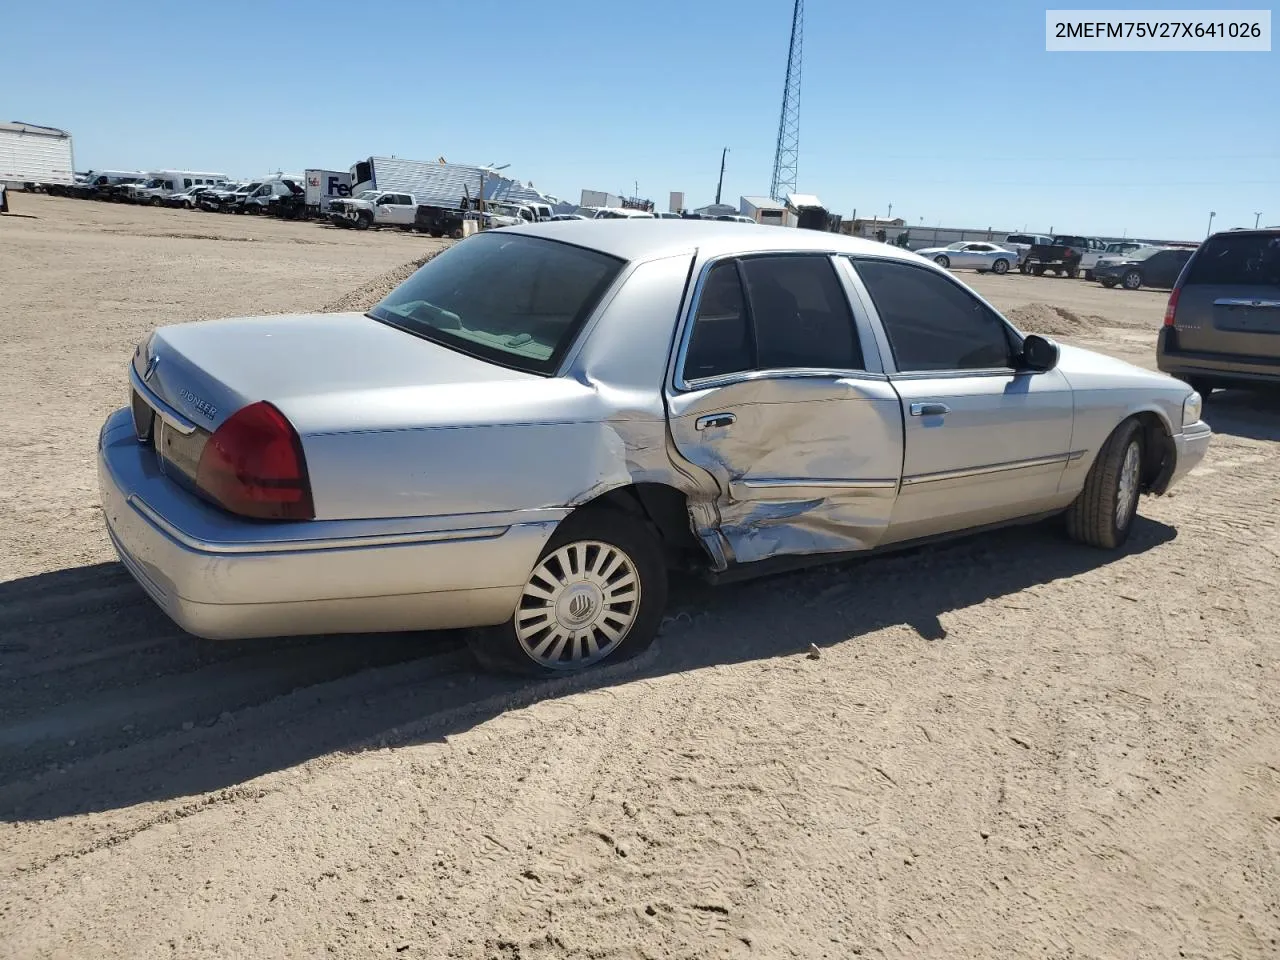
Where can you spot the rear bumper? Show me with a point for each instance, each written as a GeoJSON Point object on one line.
{"type": "Point", "coordinates": [1214, 366]}
{"type": "Point", "coordinates": [221, 577]}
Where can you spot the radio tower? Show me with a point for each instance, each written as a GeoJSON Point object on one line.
{"type": "Point", "coordinates": [787, 155]}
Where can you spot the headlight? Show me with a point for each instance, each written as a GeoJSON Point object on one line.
{"type": "Point", "coordinates": [1191, 408]}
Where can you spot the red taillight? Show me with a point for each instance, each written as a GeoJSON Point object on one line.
{"type": "Point", "coordinates": [1172, 307]}
{"type": "Point", "coordinates": [253, 465]}
{"type": "Point", "coordinates": [1068, 253]}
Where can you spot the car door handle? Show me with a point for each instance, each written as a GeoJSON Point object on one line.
{"type": "Point", "coordinates": [929, 409]}
{"type": "Point", "coordinates": [713, 420]}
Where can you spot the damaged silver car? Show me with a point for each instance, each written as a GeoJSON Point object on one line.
{"type": "Point", "coordinates": [536, 428]}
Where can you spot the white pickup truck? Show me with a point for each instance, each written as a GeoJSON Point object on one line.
{"type": "Point", "coordinates": [383, 208]}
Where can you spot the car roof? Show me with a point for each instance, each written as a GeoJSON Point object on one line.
{"type": "Point", "coordinates": [651, 238]}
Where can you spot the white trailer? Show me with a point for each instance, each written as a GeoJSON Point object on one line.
{"type": "Point", "coordinates": [40, 156]}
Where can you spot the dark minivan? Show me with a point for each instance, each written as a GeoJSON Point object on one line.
{"type": "Point", "coordinates": [1222, 324]}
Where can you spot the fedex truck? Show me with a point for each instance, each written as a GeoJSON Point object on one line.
{"type": "Point", "coordinates": [325, 186]}
{"type": "Point", "coordinates": [34, 155]}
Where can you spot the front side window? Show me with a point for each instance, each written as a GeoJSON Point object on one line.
{"type": "Point", "coordinates": [509, 299]}
{"type": "Point", "coordinates": [933, 323]}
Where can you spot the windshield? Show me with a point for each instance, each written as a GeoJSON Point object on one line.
{"type": "Point", "coordinates": [367, 194]}
{"type": "Point", "coordinates": [1142, 253]}
{"type": "Point", "coordinates": [249, 187]}
{"type": "Point", "coordinates": [514, 300]}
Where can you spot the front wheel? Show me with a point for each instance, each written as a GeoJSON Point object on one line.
{"type": "Point", "coordinates": [597, 593]}
{"type": "Point", "coordinates": [1102, 515]}
{"type": "Point", "coordinates": [942, 260]}
{"type": "Point", "coordinates": [1132, 280]}
{"type": "Point", "coordinates": [1023, 269]}
{"type": "Point", "coordinates": [1088, 275]}
{"type": "Point", "coordinates": [1000, 267]}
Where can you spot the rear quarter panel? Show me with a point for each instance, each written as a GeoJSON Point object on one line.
{"type": "Point", "coordinates": [545, 444]}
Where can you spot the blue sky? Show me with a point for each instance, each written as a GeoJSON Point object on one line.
{"type": "Point", "coordinates": [952, 112]}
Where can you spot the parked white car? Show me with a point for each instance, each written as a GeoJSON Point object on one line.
{"type": "Point", "coordinates": [972, 255]}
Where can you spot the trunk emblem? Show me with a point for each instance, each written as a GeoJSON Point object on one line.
{"type": "Point", "coordinates": [152, 363]}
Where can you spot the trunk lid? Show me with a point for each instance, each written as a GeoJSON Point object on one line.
{"type": "Point", "coordinates": [316, 368]}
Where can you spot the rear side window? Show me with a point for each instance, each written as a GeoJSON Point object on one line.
{"type": "Point", "coordinates": [1241, 260]}
{"type": "Point", "coordinates": [772, 313]}
{"type": "Point", "coordinates": [933, 323]}
{"type": "Point", "coordinates": [721, 340]}
{"type": "Point", "coordinates": [800, 313]}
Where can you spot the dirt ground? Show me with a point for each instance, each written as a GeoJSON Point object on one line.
{"type": "Point", "coordinates": [1011, 746]}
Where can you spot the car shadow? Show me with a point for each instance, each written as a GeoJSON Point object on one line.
{"type": "Point", "coordinates": [1252, 414]}
{"type": "Point", "coordinates": [104, 704]}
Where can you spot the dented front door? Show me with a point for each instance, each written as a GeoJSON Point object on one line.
{"type": "Point", "coordinates": [803, 462]}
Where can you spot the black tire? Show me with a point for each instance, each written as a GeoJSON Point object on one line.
{"type": "Point", "coordinates": [499, 648]}
{"type": "Point", "coordinates": [363, 221]}
{"type": "Point", "coordinates": [1132, 280]}
{"type": "Point", "coordinates": [457, 233]}
{"type": "Point", "coordinates": [1088, 275]}
{"type": "Point", "coordinates": [1000, 267]}
{"type": "Point", "coordinates": [1092, 518]}
{"type": "Point", "coordinates": [1108, 283]}
{"type": "Point", "coordinates": [1070, 272]}
{"type": "Point", "coordinates": [1023, 269]}
{"type": "Point", "coordinates": [942, 260]}
{"type": "Point", "coordinates": [1038, 270]}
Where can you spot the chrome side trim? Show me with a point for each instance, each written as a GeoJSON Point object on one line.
{"type": "Point", "coordinates": [1245, 302]}
{"type": "Point", "coordinates": [171, 416]}
{"type": "Point", "coordinates": [783, 483]}
{"type": "Point", "coordinates": [303, 546]}
{"type": "Point", "coordinates": [1007, 466]}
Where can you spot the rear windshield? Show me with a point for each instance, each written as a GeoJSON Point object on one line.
{"type": "Point", "coordinates": [513, 300]}
{"type": "Point", "coordinates": [1242, 260]}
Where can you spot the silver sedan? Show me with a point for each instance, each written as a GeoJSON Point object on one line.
{"type": "Point", "coordinates": [972, 255]}
{"type": "Point", "coordinates": [542, 424]}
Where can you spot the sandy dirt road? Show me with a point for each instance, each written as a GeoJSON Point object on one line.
{"type": "Point", "coordinates": [1011, 746]}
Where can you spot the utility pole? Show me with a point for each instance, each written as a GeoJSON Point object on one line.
{"type": "Point", "coordinates": [1256, 218]}
{"type": "Point", "coordinates": [1212, 214]}
{"type": "Point", "coordinates": [723, 153]}
{"type": "Point", "coordinates": [889, 215]}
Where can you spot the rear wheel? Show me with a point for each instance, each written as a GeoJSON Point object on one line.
{"type": "Point", "coordinates": [1070, 272]}
{"type": "Point", "coordinates": [1038, 271]}
{"type": "Point", "coordinates": [1088, 274]}
{"type": "Point", "coordinates": [942, 260]}
{"type": "Point", "coordinates": [596, 593]}
{"type": "Point", "coordinates": [1132, 280]}
{"type": "Point", "coordinates": [1103, 514]}
{"type": "Point", "coordinates": [1023, 269]}
{"type": "Point", "coordinates": [1000, 267]}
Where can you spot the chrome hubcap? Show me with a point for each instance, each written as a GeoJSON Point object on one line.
{"type": "Point", "coordinates": [1127, 493]}
{"type": "Point", "coordinates": [580, 602]}
{"type": "Point", "coordinates": [1131, 280]}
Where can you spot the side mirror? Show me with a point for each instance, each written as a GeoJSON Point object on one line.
{"type": "Point", "coordinates": [1039, 353]}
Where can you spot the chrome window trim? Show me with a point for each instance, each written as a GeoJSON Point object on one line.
{"type": "Point", "coordinates": [676, 381]}
{"type": "Point", "coordinates": [892, 360]}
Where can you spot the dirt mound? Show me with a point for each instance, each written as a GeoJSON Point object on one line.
{"type": "Point", "coordinates": [1054, 321]}
{"type": "Point", "coordinates": [365, 296]}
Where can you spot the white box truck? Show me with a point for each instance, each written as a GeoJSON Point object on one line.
{"type": "Point", "coordinates": [35, 155]}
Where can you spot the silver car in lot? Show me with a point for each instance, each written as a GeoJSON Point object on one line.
{"type": "Point", "coordinates": [532, 432]}
{"type": "Point", "coordinates": [972, 255]}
